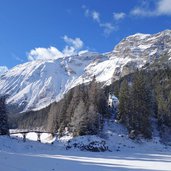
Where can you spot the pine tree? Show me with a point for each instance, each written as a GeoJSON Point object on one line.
{"type": "Point", "coordinates": [116, 89]}
{"type": "Point", "coordinates": [3, 118]}
{"type": "Point", "coordinates": [84, 119]}
{"type": "Point", "coordinates": [163, 104]}
{"type": "Point", "coordinates": [92, 107]}
{"type": "Point", "coordinates": [169, 110]}
{"type": "Point", "coordinates": [79, 119]}
{"type": "Point", "coordinates": [141, 106]}
{"type": "Point", "coordinates": [124, 103]}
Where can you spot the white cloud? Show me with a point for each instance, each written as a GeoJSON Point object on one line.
{"type": "Point", "coordinates": [44, 53]}
{"type": "Point", "coordinates": [77, 43]}
{"type": "Point", "coordinates": [3, 69]}
{"type": "Point", "coordinates": [141, 12]}
{"type": "Point", "coordinates": [108, 27]}
{"type": "Point", "coordinates": [119, 16]}
{"type": "Point", "coordinates": [72, 47]}
{"type": "Point", "coordinates": [162, 7]}
{"type": "Point", "coordinates": [86, 10]}
{"type": "Point", "coordinates": [96, 16]}
{"type": "Point", "coordinates": [93, 14]}
{"type": "Point", "coordinates": [69, 50]}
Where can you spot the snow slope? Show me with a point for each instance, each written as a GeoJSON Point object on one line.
{"type": "Point", "coordinates": [55, 160]}
{"type": "Point", "coordinates": [3, 69]}
{"type": "Point", "coordinates": [125, 154]}
{"type": "Point", "coordinates": [36, 84]}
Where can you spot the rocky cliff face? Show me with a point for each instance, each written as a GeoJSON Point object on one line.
{"type": "Point", "coordinates": [35, 85]}
{"type": "Point", "coordinates": [140, 49]}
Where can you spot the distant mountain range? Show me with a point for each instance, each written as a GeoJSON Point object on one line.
{"type": "Point", "coordinates": [34, 85]}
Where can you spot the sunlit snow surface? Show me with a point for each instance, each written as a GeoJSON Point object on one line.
{"type": "Point", "coordinates": [123, 155]}
{"type": "Point", "coordinates": [15, 155]}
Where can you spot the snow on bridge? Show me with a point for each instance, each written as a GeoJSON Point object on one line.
{"type": "Point", "coordinates": [35, 135]}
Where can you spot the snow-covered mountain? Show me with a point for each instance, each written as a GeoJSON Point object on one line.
{"type": "Point", "coordinates": [3, 69]}
{"type": "Point", "coordinates": [36, 84]}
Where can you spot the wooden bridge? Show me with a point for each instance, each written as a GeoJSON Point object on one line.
{"type": "Point", "coordinates": [25, 132]}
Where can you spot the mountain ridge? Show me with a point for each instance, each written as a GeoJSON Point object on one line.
{"type": "Point", "coordinates": [36, 84]}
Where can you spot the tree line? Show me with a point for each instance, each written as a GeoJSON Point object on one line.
{"type": "Point", "coordinates": [143, 95]}
{"type": "Point", "coordinates": [135, 105]}
{"type": "Point", "coordinates": [3, 117]}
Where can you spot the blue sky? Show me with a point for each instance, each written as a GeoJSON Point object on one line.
{"type": "Point", "coordinates": [38, 29]}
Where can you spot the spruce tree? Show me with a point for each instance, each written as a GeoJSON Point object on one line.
{"type": "Point", "coordinates": [3, 117]}
{"type": "Point", "coordinates": [124, 103]}
{"type": "Point", "coordinates": [163, 104]}
{"type": "Point", "coordinates": [116, 89]}
{"type": "Point", "coordinates": [141, 106]}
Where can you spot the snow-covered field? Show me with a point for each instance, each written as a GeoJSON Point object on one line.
{"type": "Point", "coordinates": [124, 155]}
{"type": "Point", "coordinates": [64, 154]}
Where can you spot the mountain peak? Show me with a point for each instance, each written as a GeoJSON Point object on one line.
{"type": "Point", "coordinates": [36, 84]}
{"type": "Point", "coordinates": [139, 36]}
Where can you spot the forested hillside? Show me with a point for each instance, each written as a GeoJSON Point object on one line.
{"type": "Point", "coordinates": [144, 95]}
{"type": "Point", "coordinates": [81, 110]}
